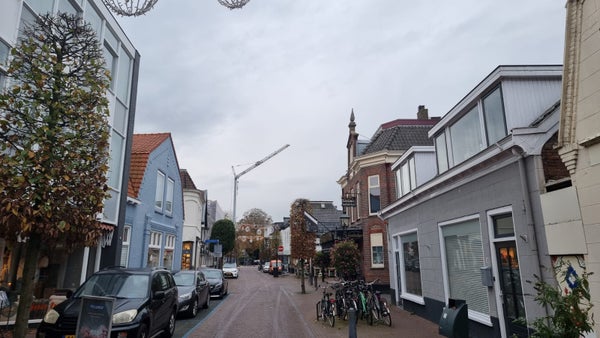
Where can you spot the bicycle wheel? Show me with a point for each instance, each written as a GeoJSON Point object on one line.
{"type": "Point", "coordinates": [386, 314]}
{"type": "Point", "coordinates": [369, 314]}
{"type": "Point", "coordinates": [331, 314]}
{"type": "Point", "coordinates": [319, 311]}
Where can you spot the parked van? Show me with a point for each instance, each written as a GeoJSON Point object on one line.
{"type": "Point", "coordinates": [275, 264]}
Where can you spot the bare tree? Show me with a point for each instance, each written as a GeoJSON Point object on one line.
{"type": "Point", "coordinates": [54, 143]}
{"type": "Point", "coordinates": [303, 241]}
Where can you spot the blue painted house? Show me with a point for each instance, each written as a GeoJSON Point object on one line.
{"type": "Point", "coordinates": [154, 215]}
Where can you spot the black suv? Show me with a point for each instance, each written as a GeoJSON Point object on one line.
{"type": "Point", "coordinates": [145, 304]}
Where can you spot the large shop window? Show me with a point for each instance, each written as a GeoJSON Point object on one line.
{"type": "Point", "coordinates": [377, 250]}
{"type": "Point", "coordinates": [374, 195]}
{"type": "Point", "coordinates": [464, 259]}
{"type": "Point", "coordinates": [411, 281]}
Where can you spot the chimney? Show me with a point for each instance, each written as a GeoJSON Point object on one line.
{"type": "Point", "coordinates": [422, 113]}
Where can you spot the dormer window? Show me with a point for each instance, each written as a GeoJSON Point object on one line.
{"type": "Point", "coordinates": [481, 126]}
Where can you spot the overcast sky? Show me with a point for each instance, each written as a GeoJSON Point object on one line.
{"type": "Point", "coordinates": [233, 86]}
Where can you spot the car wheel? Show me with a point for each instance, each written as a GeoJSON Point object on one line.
{"type": "Point", "coordinates": [207, 303]}
{"type": "Point", "coordinates": [193, 311]}
{"type": "Point", "coordinates": [142, 331]}
{"type": "Point", "coordinates": [170, 329]}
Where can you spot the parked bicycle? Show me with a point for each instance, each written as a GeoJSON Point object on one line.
{"type": "Point", "coordinates": [345, 299]}
{"type": "Point", "coordinates": [380, 311]}
{"type": "Point", "coordinates": [326, 307]}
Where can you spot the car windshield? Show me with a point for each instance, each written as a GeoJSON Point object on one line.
{"type": "Point", "coordinates": [228, 265]}
{"type": "Point", "coordinates": [115, 285]}
{"type": "Point", "coordinates": [212, 273]}
{"type": "Point", "coordinates": [184, 279]}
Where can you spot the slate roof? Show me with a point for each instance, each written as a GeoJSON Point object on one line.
{"type": "Point", "coordinates": [142, 146]}
{"type": "Point", "coordinates": [327, 216]}
{"type": "Point", "coordinates": [400, 134]}
{"type": "Point", "coordinates": [186, 180]}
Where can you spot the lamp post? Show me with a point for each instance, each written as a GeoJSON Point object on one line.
{"type": "Point", "coordinates": [345, 223]}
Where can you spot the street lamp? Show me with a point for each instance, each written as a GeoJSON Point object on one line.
{"type": "Point", "coordinates": [345, 223]}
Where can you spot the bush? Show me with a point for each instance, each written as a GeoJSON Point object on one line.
{"type": "Point", "coordinates": [571, 306]}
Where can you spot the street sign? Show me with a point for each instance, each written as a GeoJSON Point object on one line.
{"type": "Point", "coordinates": [280, 250]}
{"type": "Point", "coordinates": [348, 201]}
{"type": "Point", "coordinates": [218, 250]}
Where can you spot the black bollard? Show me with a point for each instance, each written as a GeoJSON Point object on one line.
{"type": "Point", "coordinates": [352, 323]}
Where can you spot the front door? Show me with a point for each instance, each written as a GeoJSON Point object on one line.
{"type": "Point", "coordinates": [510, 287]}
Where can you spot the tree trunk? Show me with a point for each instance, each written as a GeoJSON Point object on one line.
{"type": "Point", "coordinates": [302, 276]}
{"type": "Point", "coordinates": [32, 252]}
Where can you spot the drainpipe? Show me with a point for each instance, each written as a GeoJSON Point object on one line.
{"type": "Point", "coordinates": [517, 151]}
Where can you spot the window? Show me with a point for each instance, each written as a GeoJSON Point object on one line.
{"type": "Point", "coordinates": [503, 226]}
{"type": "Point", "coordinates": [377, 250]}
{"type": "Point", "coordinates": [411, 265]}
{"type": "Point", "coordinates": [41, 6]}
{"type": "Point", "coordinates": [169, 247]}
{"type": "Point", "coordinates": [374, 194]}
{"type": "Point", "coordinates": [65, 6]}
{"type": "Point", "coordinates": [357, 190]}
{"type": "Point", "coordinates": [404, 179]}
{"type": "Point", "coordinates": [461, 243]}
{"type": "Point", "coordinates": [160, 190]}
{"type": "Point", "coordinates": [125, 246]}
{"type": "Point", "coordinates": [117, 143]}
{"type": "Point", "coordinates": [465, 135]}
{"type": "Point", "coordinates": [92, 17]}
{"type": "Point", "coordinates": [110, 58]}
{"type": "Point", "coordinates": [169, 199]}
{"type": "Point", "coordinates": [413, 173]}
{"type": "Point", "coordinates": [123, 77]}
{"type": "Point", "coordinates": [4, 53]}
{"type": "Point", "coordinates": [441, 153]}
{"type": "Point", "coordinates": [154, 249]}
{"type": "Point", "coordinates": [493, 113]}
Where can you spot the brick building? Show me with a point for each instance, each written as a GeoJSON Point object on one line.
{"type": "Point", "coordinates": [369, 185]}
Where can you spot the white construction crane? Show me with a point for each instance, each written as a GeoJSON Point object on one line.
{"type": "Point", "coordinates": [237, 176]}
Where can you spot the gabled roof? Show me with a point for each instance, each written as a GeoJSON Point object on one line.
{"type": "Point", "coordinates": [324, 217]}
{"type": "Point", "coordinates": [142, 146]}
{"type": "Point", "coordinates": [400, 134]}
{"type": "Point", "coordinates": [186, 180]}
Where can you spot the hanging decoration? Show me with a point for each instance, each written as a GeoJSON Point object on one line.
{"type": "Point", "coordinates": [233, 4]}
{"type": "Point", "coordinates": [130, 7]}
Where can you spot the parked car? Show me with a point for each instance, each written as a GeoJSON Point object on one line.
{"type": "Point", "coordinates": [218, 283]}
{"type": "Point", "coordinates": [144, 304]}
{"type": "Point", "coordinates": [231, 270]}
{"type": "Point", "coordinates": [266, 267]}
{"type": "Point", "coordinates": [194, 291]}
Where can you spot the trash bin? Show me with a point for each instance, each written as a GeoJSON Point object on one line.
{"type": "Point", "coordinates": [454, 321]}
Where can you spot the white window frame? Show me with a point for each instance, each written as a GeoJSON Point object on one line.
{"type": "Point", "coordinates": [373, 186]}
{"type": "Point", "coordinates": [170, 188]}
{"type": "Point", "coordinates": [376, 240]}
{"type": "Point", "coordinates": [477, 316]}
{"type": "Point", "coordinates": [155, 244]}
{"type": "Point", "coordinates": [159, 195]}
{"type": "Point", "coordinates": [404, 294]}
{"type": "Point", "coordinates": [357, 201]}
{"type": "Point", "coordinates": [125, 246]}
